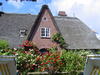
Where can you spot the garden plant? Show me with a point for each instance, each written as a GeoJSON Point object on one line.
{"type": "Point", "coordinates": [53, 61]}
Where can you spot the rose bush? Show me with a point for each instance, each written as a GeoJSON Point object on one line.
{"type": "Point", "coordinates": [50, 62]}
{"type": "Point", "coordinates": [25, 59]}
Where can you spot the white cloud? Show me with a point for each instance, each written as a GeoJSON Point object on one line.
{"type": "Point", "coordinates": [86, 10]}
{"type": "Point", "coordinates": [16, 3]}
{"type": "Point", "coordinates": [87, 7]}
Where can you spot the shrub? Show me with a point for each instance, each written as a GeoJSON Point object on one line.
{"type": "Point", "coordinates": [3, 44]}
{"type": "Point", "coordinates": [74, 60]}
{"type": "Point", "coordinates": [59, 39]}
{"type": "Point", "coordinates": [29, 45]}
{"type": "Point", "coordinates": [25, 59]}
{"type": "Point", "coordinates": [52, 61]}
{"type": "Point", "coordinates": [49, 62]}
{"type": "Point", "coordinates": [96, 51]}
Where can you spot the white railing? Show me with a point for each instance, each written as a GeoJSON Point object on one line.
{"type": "Point", "coordinates": [7, 65]}
{"type": "Point", "coordinates": [92, 66]}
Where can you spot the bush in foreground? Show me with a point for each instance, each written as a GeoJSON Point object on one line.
{"type": "Point", "coordinates": [71, 61]}
{"type": "Point", "coordinates": [74, 61]}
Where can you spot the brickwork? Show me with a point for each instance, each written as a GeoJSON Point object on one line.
{"type": "Point", "coordinates": [47, 22]}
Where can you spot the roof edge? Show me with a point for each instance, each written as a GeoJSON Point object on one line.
{"type": "Point", "coordinates": [37, 21]}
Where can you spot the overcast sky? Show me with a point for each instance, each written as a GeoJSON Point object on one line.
{"type": "Point", "coordinates": [87, 11]}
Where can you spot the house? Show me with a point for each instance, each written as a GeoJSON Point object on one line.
{"type": "Point", "coordinates": [15, 28]}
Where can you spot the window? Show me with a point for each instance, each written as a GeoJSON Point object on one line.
{"type": "Point", "coordinates": [22, 32]}
{"type": "Point", "coordinates": [44, 19]}
{"type": "Point", "coordinates": [45, 32]}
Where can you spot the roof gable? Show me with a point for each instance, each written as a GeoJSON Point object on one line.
{"type": "Point", "coordinates": [38, 20]}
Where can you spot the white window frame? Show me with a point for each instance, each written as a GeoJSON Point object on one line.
{"type": "Point", "coordinates": [22, 32]}
{"type": "Point", "coordinates": [45, 34]}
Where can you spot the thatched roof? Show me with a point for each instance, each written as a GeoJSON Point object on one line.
{"type": "Point", "coordinates": [76, 34]}
{"type": "Point", "coordinates": [11, 24]}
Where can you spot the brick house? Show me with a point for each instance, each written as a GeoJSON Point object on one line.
{"type": "Point", "coordinates": [39, 29]}
{"type": "Point", "coordinates": [43, 28]}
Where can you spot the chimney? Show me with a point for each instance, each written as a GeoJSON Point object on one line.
{"type": "Point", "coordinates": [62, 13]}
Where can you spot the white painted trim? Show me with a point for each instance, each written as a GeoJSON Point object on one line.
{"type": "Point", "coordinates": [45, 32]}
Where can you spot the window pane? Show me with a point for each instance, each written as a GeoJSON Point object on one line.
{"type": "Point", "coordinates": [42, 32]}
{"type": "Point", "coordinates": [47, 32]}
{"type": "Point", "coordinates": [47, 35]}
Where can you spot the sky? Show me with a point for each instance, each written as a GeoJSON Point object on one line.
{"type": "Point", "coordinates": [88, 11]}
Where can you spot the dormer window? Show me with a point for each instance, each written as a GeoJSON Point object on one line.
{"type": "Point", "coordinates": [45, 32]}
{"type": "Point", "coordinates": [44, 19]}
{"type": "Point", "coordinates": [22, 32]}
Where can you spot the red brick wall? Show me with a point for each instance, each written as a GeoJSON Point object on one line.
{"type": "Point", "coordinates": [44, 42]}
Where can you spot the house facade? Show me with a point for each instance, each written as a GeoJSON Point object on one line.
{"type": "Point", "coordinates": [43, 29]}
{"type": "Point", "coordinates": [16, 28]}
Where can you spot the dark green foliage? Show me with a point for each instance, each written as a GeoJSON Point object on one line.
{"type": "Point", "coordinates": [59, 39]}
{"type": "Point", "coordinates": [3, 44]}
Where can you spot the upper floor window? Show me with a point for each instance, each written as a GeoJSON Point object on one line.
{"type": "Point", "coordinates": [45, 32]}
{"type": "Point", "coordinates": [22, 32]}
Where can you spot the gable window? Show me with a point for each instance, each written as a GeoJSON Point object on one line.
{"type": "Point", "coordinates": [22, 32]}
{"type": "Point", "coordinates": [44, 19]}
{"type": "Point", "coordinates": [45, 32]}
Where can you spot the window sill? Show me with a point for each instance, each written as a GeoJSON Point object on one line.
{"type": "Point", "coordinates": [45, 37]}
